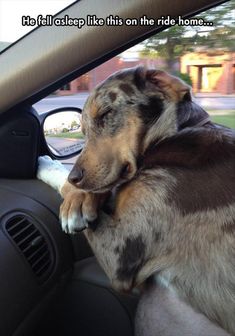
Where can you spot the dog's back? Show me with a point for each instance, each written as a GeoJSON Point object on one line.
{"type": "Point", "coordinates": [200, 164]}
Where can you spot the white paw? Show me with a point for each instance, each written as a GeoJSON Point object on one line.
{"type": "Point", "coordinates": [73, 224]}
{"type": "Point", "coordinates": [52, 172]}
{"type": "Point", "coordinates": [77, 211]}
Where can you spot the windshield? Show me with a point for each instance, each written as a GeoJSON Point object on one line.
{"type": "Point", "coordinates": [12, 11]}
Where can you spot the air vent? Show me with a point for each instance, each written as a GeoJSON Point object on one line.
{"type": "Point", "coordinates": [32, 244]}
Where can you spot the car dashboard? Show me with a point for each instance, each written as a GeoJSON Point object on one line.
{"type": "Point", "coordinates": [35, 254]}
{"type": "Point", "coordinates": [50, 282]}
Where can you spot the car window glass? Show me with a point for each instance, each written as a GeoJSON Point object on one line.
{"type": "Point", "coordinates": [12, 11]}
{"type": "Point", "coordinates": [200, 52]}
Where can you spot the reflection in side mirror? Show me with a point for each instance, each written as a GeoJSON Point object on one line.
{"type": "Point", "coordinates": [62, 131]}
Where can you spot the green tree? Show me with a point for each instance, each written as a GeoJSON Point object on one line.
{"type": "Point", "coordinates": [173, 42]}
{"type": "Point", "coordinates": [74, 123]}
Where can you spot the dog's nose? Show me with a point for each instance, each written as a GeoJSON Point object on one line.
{"type": "Point", "coordinates": [76, 175]}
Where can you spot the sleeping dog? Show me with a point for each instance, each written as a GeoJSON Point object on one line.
{"type": "Point", "coordinates": [155, 188]}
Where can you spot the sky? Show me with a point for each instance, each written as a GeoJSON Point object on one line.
{"type": "Point", "coordinates": [11, 12]}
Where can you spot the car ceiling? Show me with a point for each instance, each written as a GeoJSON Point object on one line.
{"type": "Point", "coordinates": [49, 54]}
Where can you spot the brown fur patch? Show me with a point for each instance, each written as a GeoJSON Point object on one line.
{"type": "Point", "coordinates": [203, 189]}
{"type": "Point", "coordinates": [192, 148]}
{"type": "Point", "coordinates": [157, 237]}
{"type": "Point", "coordinates": [172, 87]}
{"type": "Point", "coordinates": [203, 163]}
{"type": "Point", "coordinates": [228, 228]}
{"type": "Point", "coordinates": [126, 88]}
{"type": "Point", "coordinates": [131, 258]}
{"type": "Point", "coordinates": [93, 110]}
{"type": "Point", "coordinates": [112, 96]}
{"type": "Point", "coordinates": [151, 110]}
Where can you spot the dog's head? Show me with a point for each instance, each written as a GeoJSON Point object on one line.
{"type": "Point", "coordinates": [124, 115]}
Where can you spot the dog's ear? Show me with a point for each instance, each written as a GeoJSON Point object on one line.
{"type": "Point", "coordinates": [172, 87]}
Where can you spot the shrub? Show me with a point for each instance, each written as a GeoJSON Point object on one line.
{"type": "Point", "coordinates": [65, 130]}
{"type": "Point", "coordinates": [185, 77]}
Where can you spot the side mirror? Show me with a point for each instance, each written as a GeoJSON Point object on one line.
{"type": "Point", "coordinates": [62, 132]}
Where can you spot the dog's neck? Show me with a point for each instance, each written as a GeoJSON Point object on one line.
{"type": "Point", "coordinates": [173, 150]}
{"type": "Point", "coordinates": [189, 114]}
{"type": "Point", "coordinates": [174, 118]}
{"type": "Point", "coordinates": [192, 147]}
{"type": "Point", "coordinates": [204, 122]}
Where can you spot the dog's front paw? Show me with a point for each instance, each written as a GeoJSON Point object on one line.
{"type": "Point", "coordinates": [52, 172]}
{"type": "Point", "coordinates": [78, 210]}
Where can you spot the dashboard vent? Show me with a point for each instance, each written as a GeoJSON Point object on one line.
{"type": "Point", "coordinates": [32, 244]}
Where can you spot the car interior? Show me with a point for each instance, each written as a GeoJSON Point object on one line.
{"type": "Point", "coordinates": [51, 283]}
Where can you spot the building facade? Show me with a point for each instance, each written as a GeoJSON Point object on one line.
{"type": "Point", "coordinates": [211, 71]}
{"type": "Point", "coordinates": [88, 81]}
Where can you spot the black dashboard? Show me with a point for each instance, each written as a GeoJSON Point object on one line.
{"type": "Point", "coordinates": [35, 255]}
{"type": "Point", "coordinates": [50, 284]}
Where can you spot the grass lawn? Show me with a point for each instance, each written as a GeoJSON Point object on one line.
{"type": "Point", "coordinates": [68, 135]}
{"type": "Point", "coordinates": [226, 118]}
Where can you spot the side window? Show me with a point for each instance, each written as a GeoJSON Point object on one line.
{"type": "Point", "coordinates": [201, 52]}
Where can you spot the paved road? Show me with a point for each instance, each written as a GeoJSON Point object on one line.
{"type": "Point", "coordinates": [217, 103]}
{"type": "Point", "coordinates": [61, 146]}
{"type": "Point", "coordinates": [78, 100]}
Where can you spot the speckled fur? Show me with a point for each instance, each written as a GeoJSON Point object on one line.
{"type": "Point", "coordinates": [151, 226]}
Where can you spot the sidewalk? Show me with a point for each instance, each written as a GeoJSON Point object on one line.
{"type": "Point", "coordinates": [212, 95]}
